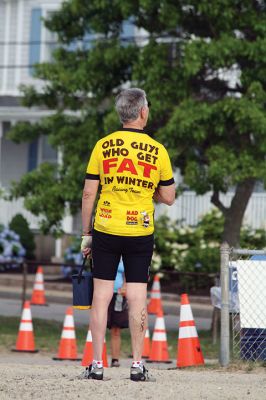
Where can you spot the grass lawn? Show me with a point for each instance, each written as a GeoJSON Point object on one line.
{"type": "Point", "coordinates": [47, 336]}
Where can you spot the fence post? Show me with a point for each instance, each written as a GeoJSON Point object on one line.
{"type": "Point", "coordinates": [225, 332]}
{"type": "Point", "coordinates": [24, 283]}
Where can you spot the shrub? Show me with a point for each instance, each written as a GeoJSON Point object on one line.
{"type": "Point", "coordinates": [186, 248]}
{"type": "Point", "coordinates": [20, 225]}
{"type": "Point", "coordinates": [10, 247]}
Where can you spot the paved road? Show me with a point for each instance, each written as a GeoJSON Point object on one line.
{"type": "Point", "coordinates": [56, 312]}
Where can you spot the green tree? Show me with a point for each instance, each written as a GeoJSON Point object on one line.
{"type": "Point", "coordinates": [214, 128]}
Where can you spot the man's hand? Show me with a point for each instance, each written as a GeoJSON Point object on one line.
{"type": "Point", "coordinates": [85, 246]}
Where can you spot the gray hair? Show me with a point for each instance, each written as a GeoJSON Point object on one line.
{"type": "Point", "coordinates": [128, 104]}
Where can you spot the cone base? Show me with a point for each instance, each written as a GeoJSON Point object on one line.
{"type": "Point", "coordinates": [190, 365]}
{"type": "Point", "coordinates": [161, 362]}
{"type": "Point", "coordinates": [189, 353]}
{"type": "Point", "coordinates": [25, 351]}
{"type": "Point", "coordinates": [66, 359]}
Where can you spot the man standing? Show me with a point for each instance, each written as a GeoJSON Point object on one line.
{"type": "Point", "coordinates": [133, 169]}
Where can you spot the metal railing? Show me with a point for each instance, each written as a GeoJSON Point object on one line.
{"type": "Point", "coordinates": [171, 281]}
{"type": "Point", "coordinates": [24, 268]}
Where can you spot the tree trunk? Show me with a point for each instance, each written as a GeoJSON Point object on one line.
{"type": "Point", "coordinates": [234, 214]}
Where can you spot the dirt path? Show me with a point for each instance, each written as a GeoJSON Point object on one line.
{"type": "Point", "coordinates": [59, 382]}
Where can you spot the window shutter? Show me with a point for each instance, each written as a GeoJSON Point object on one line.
{"type": "Point", "coordinates": [33, 155]}
{"type": "Point", "coordinates": [35, 38]}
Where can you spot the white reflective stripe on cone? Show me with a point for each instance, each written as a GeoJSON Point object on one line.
{"type": "Point", "coordinates": [147, 333]}
{"type": "Point", "coordinates": [69, 321]}
{"type": "Point", "coordinates": [26, 314]}
{"type": "Point", "coordinates": [186, 313]}
{"type": "Point", "coordinates": [159, 337]}
{"type": "Point", "coordinates": [38, 286]}
{"type": "Point", "coordinates": [159, 324]}
{"type": "Point", "coordinates": [156, 285]}
{"type": "Point", "coordinates": [68, 334]}
{"type": "Point", "coordinates": [39, 277]}
{"type": "Point", "coordinates": [187, 332]}
{"type": "Point", "coordinates": [156, 295]}
{"type": "Point", "coordinates": [25, 326]}
{"type": "Point", "coordinates": [89, 337]}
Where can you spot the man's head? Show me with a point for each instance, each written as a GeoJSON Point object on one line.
{"type": "Point", "coordinates": [132, 107]}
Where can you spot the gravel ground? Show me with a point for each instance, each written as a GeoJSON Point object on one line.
{"type": "Point", "coordinates": [45, 380]}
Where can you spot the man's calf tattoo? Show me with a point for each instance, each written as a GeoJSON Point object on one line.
{"type": "Point", "coordinates": [143, 318]}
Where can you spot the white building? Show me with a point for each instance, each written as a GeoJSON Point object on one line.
{"type": "Point", "coordinates": [24, 40]}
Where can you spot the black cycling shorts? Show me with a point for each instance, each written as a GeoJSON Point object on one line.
{"type": "Point", "coordinates": [136, 252]}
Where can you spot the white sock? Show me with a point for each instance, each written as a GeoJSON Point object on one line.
{"type": "Point", "coordinates": [97, 363]}
{"type": "Point", "coordinates": [137, 364]}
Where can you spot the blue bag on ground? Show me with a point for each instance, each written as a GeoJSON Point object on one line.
{"type": "Point", "coordinates": [82, 284]}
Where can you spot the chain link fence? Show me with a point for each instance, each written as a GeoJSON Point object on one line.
{"type": "Point", "coordinates": [243, 305]}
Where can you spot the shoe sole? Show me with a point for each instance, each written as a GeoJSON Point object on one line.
{"type": "Point", "coordinates": [137, 378]}
{"type": "Point", "coordinates": [96, 377]}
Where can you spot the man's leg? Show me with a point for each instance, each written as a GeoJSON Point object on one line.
{"type": "Point", "coordinates": [137, 302]}
{"type": "Point", "coordinates": [102, 295]}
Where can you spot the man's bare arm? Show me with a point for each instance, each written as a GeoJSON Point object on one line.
{"type": "Point", "coordinates": [88, 199]}
{"type": "Point", "coordinates": [165, 194]}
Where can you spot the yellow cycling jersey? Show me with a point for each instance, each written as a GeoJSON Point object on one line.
{"type": "Point", "coordinates": [130, 165]}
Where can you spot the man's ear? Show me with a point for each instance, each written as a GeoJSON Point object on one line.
{"type": "Point", "coordinates": [142, 113]}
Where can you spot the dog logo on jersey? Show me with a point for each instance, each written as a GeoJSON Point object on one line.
{"type": "Point", "coordinates": [106, 203]}
{"type": "Point", "coordinates": [145, 219]}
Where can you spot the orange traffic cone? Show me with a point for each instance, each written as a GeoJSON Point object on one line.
{"type": "Point", "coordinates": [146, 345]}
{"type": "Point", "coordinates": [159, 347]}
{"type": "Point", "coordinates": [25, 339]}
{"type": "Point", "coordinates": [68, 346]}
{"type": "Point", "coordinates": [188, 349]}
{"type": "Point", "coordinates": [155, 304]}
{"type": "Point", "coordinates": [38, 296]}
{"type": "Point", "coordinates": [88, 352]}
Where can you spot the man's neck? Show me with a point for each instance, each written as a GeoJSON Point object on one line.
{"type": "Point", "coordinates": [133, 125]}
